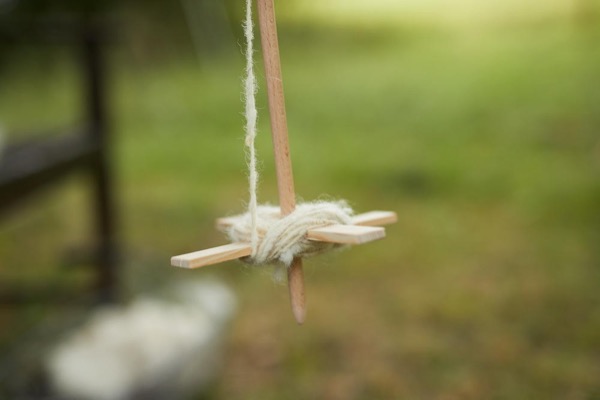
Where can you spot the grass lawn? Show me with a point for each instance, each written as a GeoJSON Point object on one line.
{"type": "Point", "coordinates": [484, 142]}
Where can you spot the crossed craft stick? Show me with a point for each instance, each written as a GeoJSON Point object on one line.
{"type": "Point", "coordinates": [364, 226]}
{"type": "Point", "coordinates": [364, 229]}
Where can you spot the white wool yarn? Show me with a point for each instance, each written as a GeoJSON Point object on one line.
{"type": "Point", "coordinates": [251, 113]}
{"type": "Point", "coordinates": [279, 240]}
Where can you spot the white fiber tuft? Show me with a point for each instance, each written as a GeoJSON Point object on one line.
{"type": "Point", "coordinates": [151, 345]}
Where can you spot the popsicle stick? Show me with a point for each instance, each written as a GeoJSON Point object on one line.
{"type": "Point", "coordinates": [346, 234]}
{"type": "Point", "coordinates": [371, 218]}
{"type": "Point", "coordinates": [281, 147]}
{"type": "Point", "coordinates": [342, 234]}
{"type": "Point", "coordinates": [223, 223]}
{"type": "Point", "coordinates": [375, 218]}
{"type": "Point", "coordinates": [213, 255]}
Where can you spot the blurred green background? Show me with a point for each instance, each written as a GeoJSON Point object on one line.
{"type": "Point", "coordinates": [477, 122]}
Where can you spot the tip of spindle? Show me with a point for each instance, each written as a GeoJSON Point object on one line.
{"type": "Point", "coordinates": [296, 286]}
{"type": "Point", "coordinates": [299, 314]}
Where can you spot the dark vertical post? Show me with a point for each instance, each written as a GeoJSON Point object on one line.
{"type": "Point", "coordinates": [95, 79]}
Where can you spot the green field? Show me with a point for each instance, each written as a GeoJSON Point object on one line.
{"type": "Point", "coordinates": [484, 141]}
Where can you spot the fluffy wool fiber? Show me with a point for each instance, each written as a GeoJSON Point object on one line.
{"type": "Point", "coordinates": [282, 239]}
{"type": "Point", "coordinates": [151, 345]}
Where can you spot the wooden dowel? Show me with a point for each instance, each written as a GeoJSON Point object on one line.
{"type": "Point", "coordinates": [281, 147]}
{"type": "Point", "coordinates": [296, 288]}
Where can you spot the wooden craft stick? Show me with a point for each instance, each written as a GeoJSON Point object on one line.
{"type": "Point", "coordinates": [281, 147]}
{"type": "Point", "coordinates": [346, 234]}
{"type": "Point", "coordinates": [213, 255]}
{"type": "Point", "coordinates": [375, 218]}
{"type": "Point", "coordinates": [371, 218]}
{"type": "Point", "coordinates": [341, 234]}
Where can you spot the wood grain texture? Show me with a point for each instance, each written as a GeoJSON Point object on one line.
{"type": "Point", "coordinates": [281, 147]}
{"type": "Point", "coordinates": [296, 288]}
{"type": "Point", "coordinates": [213, 255]}
{"type": "Point", "coordinates": [346, 234]}
{"type": "Point", "coordinates": [371, 218]}
{"type": "Point", "coordinates": [341, 234]}
{"type": "Point", "coordinates": [279, 130]}
{"type": "Point", "coordinates": [375, 218]}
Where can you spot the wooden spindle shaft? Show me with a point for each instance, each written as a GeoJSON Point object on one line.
{"type": "Point", "coordinates": [296, 289]}
{"type": "Point", "coordinates": [279, 130]}
{"type": "Point", "coordinates": [281, 147]}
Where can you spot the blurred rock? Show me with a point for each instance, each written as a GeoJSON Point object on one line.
{"type": "Point", "coordinates": [151, 349]}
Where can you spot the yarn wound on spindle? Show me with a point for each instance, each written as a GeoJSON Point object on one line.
{"type": "Point", "coordinates": [282, 239]}
{"type": "Point", "coordinates": [276, 240]}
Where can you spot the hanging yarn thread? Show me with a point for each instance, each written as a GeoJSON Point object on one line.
{"type": "Point", "coordinates": [251, 114]}
{"type": "Point", "coordinates": [275, 239]}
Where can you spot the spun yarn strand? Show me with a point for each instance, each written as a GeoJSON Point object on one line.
{"type": "Point", "coordinates": [251, 114]}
